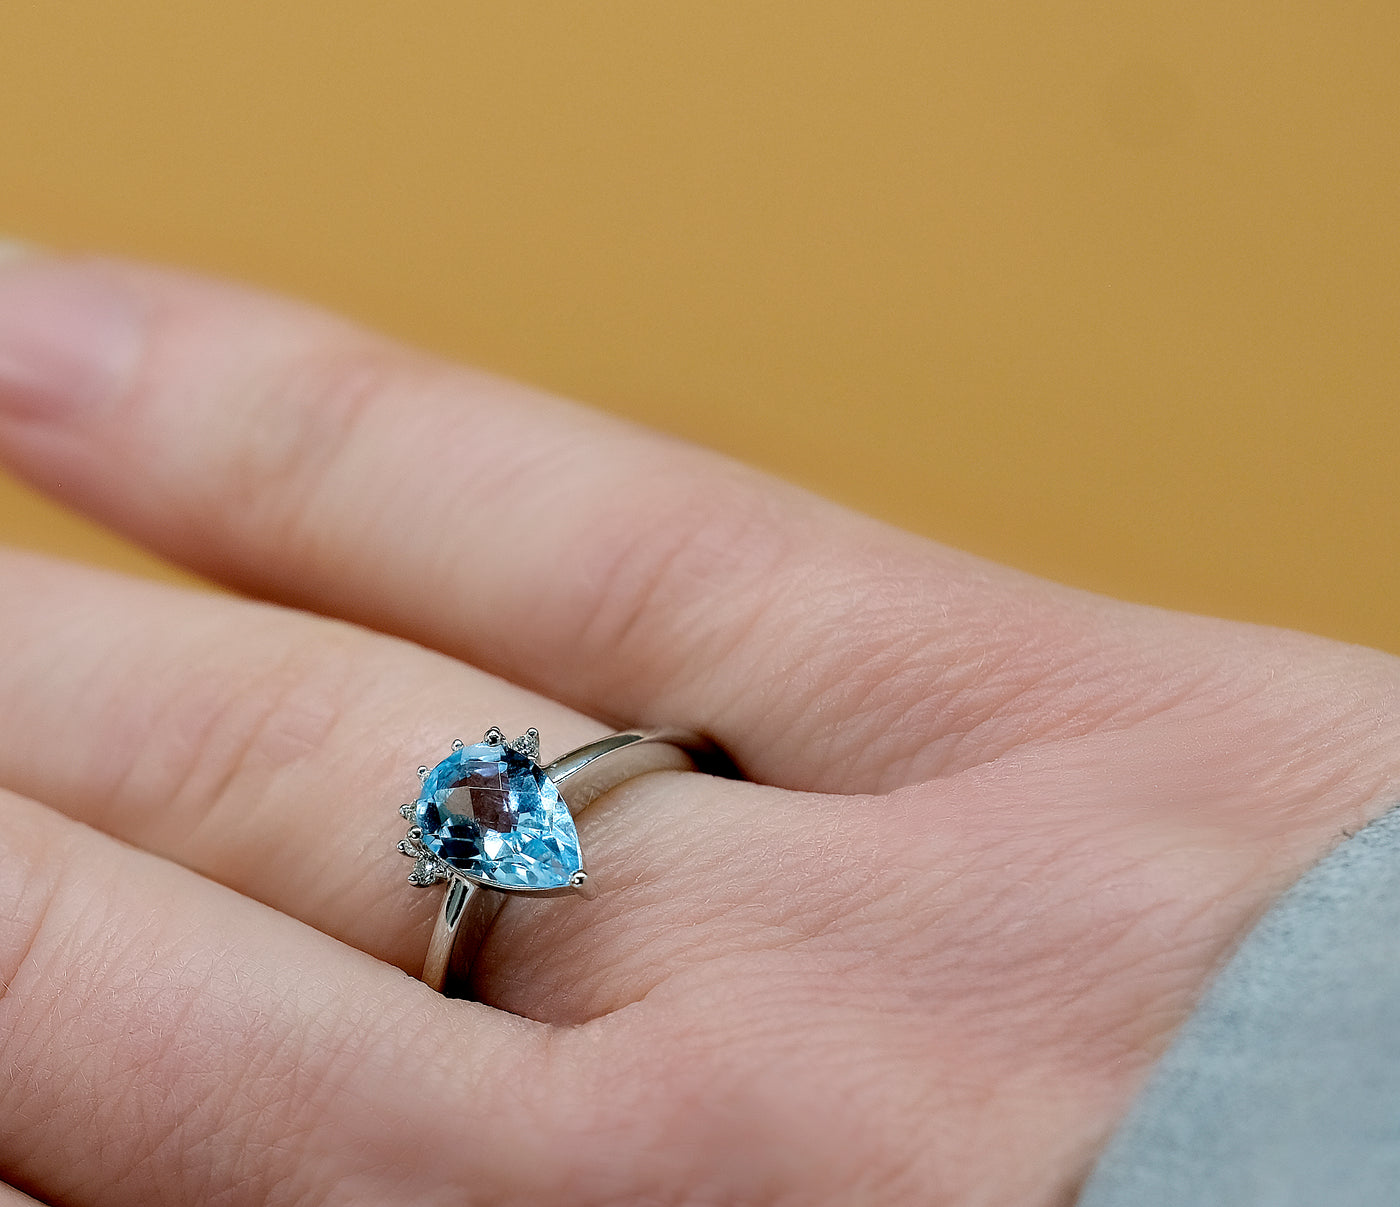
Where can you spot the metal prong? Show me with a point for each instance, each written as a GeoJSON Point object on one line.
{"type": "Point", "coordinates": [406, 811]}
{"type": "Point", "coordinates": [414, 833]}
{"type": "Point", "coordinates": [422, 773]}
{"type": "Point", "coordinates": [494, 737]}
{"type": "Point", "coordinates": [581, 884]}
{"type": "Point", "coordinates": [457, 743]}
{"type": "Point", "coordinates": [410, 848]}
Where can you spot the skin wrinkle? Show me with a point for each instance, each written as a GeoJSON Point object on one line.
{"type": "Point", "coordinates": [235, 1136]}
{"type": "Point", "coordinates": [732, 929]}
{"type": "Point", "coordinates": [283, 1149]}
{"type": "Point", "coordinates": [700, 537]}
{"type": "Point", "coordinates": [1021, 969]}
{"type": "Point", "coordinates": [813, 686]}
{"type": "Point", "coordinates": [284, 459]}
{"type": "Point", "coordinates": [1131, 1033]}
{"type": "Point", "coordinates": [79, 972]}
{"type": "Point", "coordinates": [197, 709]}
{"type": "Point", "coordinates": [1307, 773]}
{"type": "Point", "coordinates": [123, 730]}
{"type": "Point", "coordinates": [758, 922]}
{"type": "Point", "coordinates": [33, 925]}
{"type": "Point", "coordinates": [1122, 702]}
{"type": "Point", "coordinates": [876, 669]}
{"type": "Point", "coordinates": [694, 1088]}
{"type": "Point", "coordinates": [275, 1157]}
{"type": "Point", "coordinates": [151, 815]}
{"type": "Point", "coordinates": [336, 471]}
{"type": "Point", "coordinates": [259, 446]}
{"type": "Point", "coordinates": [1000, 690]}
{"type": "Point", "coordinates": [264, 733]}
{"type": "Point", "coordinates": [265, 459]}
{"type": "Point", "coordinates": [1338, 732]}
{"type": "Point", "coordinates": [945, 684]}
{"type": "Point", "coordinates": [769, 1004]}
{"type": "Point", "coordinates": [95, 970]}
{"type": "Point", "coordinates": [543, 459]}
{"type": "Point", "coordinates": [81, 681]}
{"type": "Point", "coordinates": [1145, 1032]}
{"type": "Point", "coordinates": [221, 1119]}
{"type": "Point", "coordinates": [76, 944]}
{"type": "Point", "coordinates": [360, 402]}
{"type": "Point", "coordinates": [338, 1044]}
{"type": "Point", "coordinates": [851, 690]}
{"type": "Point", "coordinates": [1209, 714]}
{"type": "Point", "coordinates": [155, 1071]}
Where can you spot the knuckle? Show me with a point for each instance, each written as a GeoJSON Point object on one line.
{"type": "Point", "coordinates": [263, 707]}
{"type": "Point", "coordinates": [302, 417]}
{"type": "Point", "coordinates": [709, 538]}
{"type": "Point", "coordinates": [59, 953]}
{"type": "Point", "coordinates": [28, 884]}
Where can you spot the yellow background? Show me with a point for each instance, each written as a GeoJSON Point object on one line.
{"type": "Point", "coordinates": [1106, 290]}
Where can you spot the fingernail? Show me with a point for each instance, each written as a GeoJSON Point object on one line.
{"type": "Point", "coordinates": [70, 335]}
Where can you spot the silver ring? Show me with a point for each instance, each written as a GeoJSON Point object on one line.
{"type": "Point", "coordinates": [494, 824]}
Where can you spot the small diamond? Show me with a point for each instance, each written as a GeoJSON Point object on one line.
{"type": "Point", "coordinates": [490, 812]}
{"type": "Point", "coordinates": [427, 871]}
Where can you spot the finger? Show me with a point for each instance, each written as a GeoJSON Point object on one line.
{"type": "Point", "coordinates": [10, 1197]}
{"type": "Point", "coordinates": [270, 750]}
{"type": "Point", "coordinates": [264, 748]}
{"type": "Point", "coordinates": [167, 1041]}
{"type": "Point", "coordinates": [619, 572]}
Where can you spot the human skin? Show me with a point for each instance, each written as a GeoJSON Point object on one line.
{"type": "Point", "coordinates": [998, 835]}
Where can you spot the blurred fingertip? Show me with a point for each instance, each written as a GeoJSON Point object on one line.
{"type": "Point", "coordinates": [14, 251]}
{"type": "Point", "coordinates": [69, 335]}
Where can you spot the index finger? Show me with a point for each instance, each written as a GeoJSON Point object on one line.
{"type": "Point", "coordinates": [624, 573]}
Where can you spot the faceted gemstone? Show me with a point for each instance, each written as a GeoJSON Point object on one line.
{"type": "Point", "coordinates": [490, 812]}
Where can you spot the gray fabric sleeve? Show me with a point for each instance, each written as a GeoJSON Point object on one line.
{"type": "Point", "coordinates": [1283, 1088]}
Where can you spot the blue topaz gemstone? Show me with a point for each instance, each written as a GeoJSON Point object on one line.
{"type": "Point", "coordinates": [489, 812]}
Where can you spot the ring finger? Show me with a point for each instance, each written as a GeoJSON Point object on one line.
{"type": "Point", "coordinates": [268, 749]}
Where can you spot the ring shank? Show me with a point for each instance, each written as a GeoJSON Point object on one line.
{"type": "Point", "coordinates": [469, 909]}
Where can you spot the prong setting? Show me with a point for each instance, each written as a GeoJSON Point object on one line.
{"type": "Point", "coordinates": [493, 737]}
{"type": "Point", "coordinates": [583, 885]}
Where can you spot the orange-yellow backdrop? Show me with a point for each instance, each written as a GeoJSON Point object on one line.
{"type": "Point", "coordinates": [1107, 290]}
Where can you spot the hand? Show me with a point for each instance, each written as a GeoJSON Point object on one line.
{"type": "Point", "coordinates": [999, 832]}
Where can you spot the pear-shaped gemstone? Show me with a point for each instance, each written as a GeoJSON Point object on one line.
{"type": "Point", "coordinates": [490, 812]}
